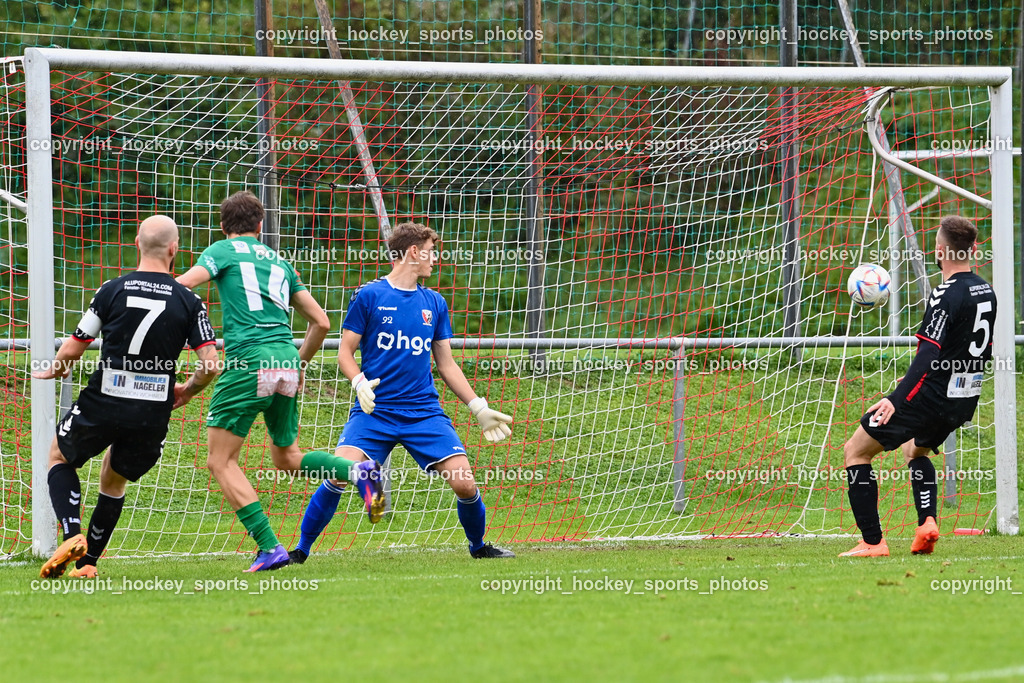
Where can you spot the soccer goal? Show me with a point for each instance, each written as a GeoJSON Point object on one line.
{"type": "Point", "coordinates": [645, 266]}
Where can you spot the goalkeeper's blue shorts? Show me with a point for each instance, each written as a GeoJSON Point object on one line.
{"type": "Point", "coordinates": [429, 440]}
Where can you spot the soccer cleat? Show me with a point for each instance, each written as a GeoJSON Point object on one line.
{"type": "Point", "coordinates": [84, 572]}
{"type": "Point", "coordinates": [271, 559]}
{"type": "Point", "coordinates": [488, 551]}
{"type": "Point", "coordinates": [880, 549]}
{"type": "Point", "coordinates": [925, 537]}
{"type": "Point", "coordinates": [69, 551]}
{"type": "Point", "coordinates": [370, 489]}
{"type": "Point", "coordinates": [297, 556]}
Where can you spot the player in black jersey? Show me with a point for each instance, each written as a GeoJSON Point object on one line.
{"type": "Point", "coordinates": [145, 318]}
{"type": "Point", "coordinates": [939, 392]}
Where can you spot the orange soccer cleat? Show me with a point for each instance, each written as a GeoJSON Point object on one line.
{"type": "Point", "coordinates": [881, 549]}
{"type": "Point", "coordinates": [85, 572]}
{"type": "Point", "coordinates": [69, 551]}
{"type": "Point", "coordinates": [925, 537]}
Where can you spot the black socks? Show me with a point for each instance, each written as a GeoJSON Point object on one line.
{"type": "Point", "coordinates": [864, 502]}
{"type": "Point", "coordinates": [101, 527]}
{"type": "Point", "coordinates": [926, 488]}
{"type": "Point", "coordinates": [66, 498]}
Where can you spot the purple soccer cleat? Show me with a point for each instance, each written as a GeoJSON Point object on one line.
{"type": "Point", "coordinates": [272, 559]}
{"type": "Point", "coordinates": [368, 481]}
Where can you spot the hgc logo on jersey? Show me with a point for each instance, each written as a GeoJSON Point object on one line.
{"type": "Point", "coordinates": [386, 341]}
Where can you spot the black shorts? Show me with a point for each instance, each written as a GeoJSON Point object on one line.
{"type": "Point", "coordinates": [82, 435]}
{"type": "Point", "coordinates": [926, 426]}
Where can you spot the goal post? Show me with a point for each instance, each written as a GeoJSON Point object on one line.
{"type": "Point", "coordinates": [41, 284]}
{"type": "Point", "coordinates": [1007, 513]}
{"type": "Point", "coordinates": [669, 395]}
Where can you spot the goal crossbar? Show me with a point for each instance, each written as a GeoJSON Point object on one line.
{"type": "Point", "coordinates": [455, 72]}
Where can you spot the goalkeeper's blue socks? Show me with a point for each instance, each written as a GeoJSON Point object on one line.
{"type": "Point", "coordinates": [322, 506]}
{"type": "Point", "coordinates": [473, 517]}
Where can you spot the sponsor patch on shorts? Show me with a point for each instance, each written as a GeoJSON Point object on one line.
{"type": "Point", "coordinates": [270, 381]}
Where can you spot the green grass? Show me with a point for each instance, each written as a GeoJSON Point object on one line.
{"type": "Point", "coordinates": [422, 615]}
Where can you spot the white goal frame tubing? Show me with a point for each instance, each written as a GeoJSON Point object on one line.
{"type": "Point", "coordinates": [1003, 350]}
{"type": "Point", "coordinates": [40, 61]}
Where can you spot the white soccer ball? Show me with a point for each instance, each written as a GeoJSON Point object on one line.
{"type": "Point", "coordinates": [869, 285]}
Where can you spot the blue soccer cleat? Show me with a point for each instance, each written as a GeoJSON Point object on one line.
{"type": "Point", "coordinates": [271, 559]}
{"type": "Point", "coordinates": [370, 488]}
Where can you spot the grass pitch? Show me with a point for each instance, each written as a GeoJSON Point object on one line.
{"type": "Point", "coordinates": [755, 610]}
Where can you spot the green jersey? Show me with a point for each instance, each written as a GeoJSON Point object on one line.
{"type": "Point", "coordinates": [255, 285]}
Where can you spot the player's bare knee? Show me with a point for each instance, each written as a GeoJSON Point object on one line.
{"type": "Point", "coordinates": [350, 453]}
{"type": "Point", "coordinates": [217, 463]}
{"type": "Point", "coordinates": [848, 454]}
{"type": "Point", "coordinates": [288, 458]}
{"type": "Point", "coordinates": [913, 453]}
{"type": "Point", "coordinates": [861, 448]}
{"type": "Point", "coordinates": [111, 483]}
{"type": "Point", "coordinates": [462, 483]}
{"type": "Point", "coordinates": [465, 491]}
{"type": "Point", "coordinates": [113, 489]}
{"type": "Point", "coordinates": [853, 455]}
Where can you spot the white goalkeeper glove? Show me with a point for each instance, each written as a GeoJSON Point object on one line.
{"type": "Point", "coordinates": [364, 392]}
{"type": "Point", "coordinates": [493, 423]}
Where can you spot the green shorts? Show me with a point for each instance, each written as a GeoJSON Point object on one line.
{"type": "Point", "coordinates": [262, 380]}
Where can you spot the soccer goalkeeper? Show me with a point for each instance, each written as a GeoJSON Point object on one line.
{"type": "Point", "coordinates": [396, 323]}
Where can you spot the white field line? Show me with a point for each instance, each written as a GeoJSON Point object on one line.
{"type": "Point", "coordinates": [1007, 673]}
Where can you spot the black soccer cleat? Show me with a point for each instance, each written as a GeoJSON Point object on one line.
{"type": "Point", "coordinates": [488, 551]}
{"type": "Point", "coordinates": [297, 556]}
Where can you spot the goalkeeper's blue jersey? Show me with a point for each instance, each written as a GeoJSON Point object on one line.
{"type": "Point", "coordinates": [398, 327]}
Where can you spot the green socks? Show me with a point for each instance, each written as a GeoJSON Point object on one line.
{"type": "Point", "coordinates": [256, 523]}
{"type": "Point", "coordinates": [318, 463]}
{"type": "Point", "coordinates": [326, 466]}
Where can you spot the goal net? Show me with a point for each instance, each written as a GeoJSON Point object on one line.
{"type": "Point", "coordinates": [650, 278]}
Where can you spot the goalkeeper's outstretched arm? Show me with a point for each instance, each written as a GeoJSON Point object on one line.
{"type": "Point", "coordinates": [494, 424]}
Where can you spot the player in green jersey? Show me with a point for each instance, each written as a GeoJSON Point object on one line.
{"type": "Point", "coordinates": [263, 370]}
